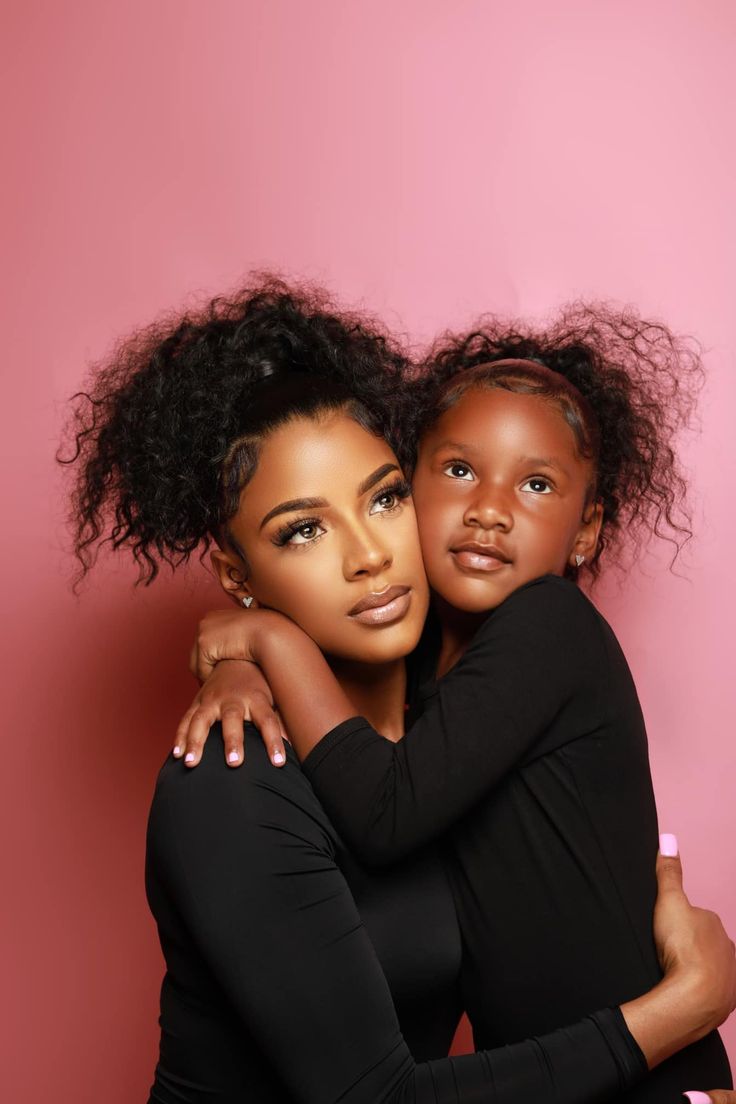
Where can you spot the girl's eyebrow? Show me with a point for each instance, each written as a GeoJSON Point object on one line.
{"type": "Point", "coordinates": [321, 503]}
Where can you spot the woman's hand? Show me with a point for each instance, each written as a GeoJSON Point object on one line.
{"type": "Point", "coordinates": [714, 1096]}
{"type": "Point", "coordinates": [230, 634]}
{"type": "Point", "coordinates": [692, 943]}
{"type": "Point", "coordinates": [698, 990]}
{"type": "Point", "coordinates": [235, 692]}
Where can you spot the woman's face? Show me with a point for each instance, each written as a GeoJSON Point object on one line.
{"type": "Point", "coordinates": [329, 535]}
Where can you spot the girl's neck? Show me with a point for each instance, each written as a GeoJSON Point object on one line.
{"type": "Point", "coordinates": [458, 629]}
{"type": "Point", "coordinates": [378, 692]}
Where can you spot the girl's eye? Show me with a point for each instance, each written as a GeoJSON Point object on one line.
{"type": "Point", "coordinates": [458, 470]}
{"type": "Point", "coordinates": [390, 498]}
{"type": "Point", "coordinates": [538, 485]}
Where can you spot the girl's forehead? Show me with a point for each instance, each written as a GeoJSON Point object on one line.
{"type": "Point", "coordinates": [488, 415]}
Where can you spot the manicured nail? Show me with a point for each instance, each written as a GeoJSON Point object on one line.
{"type": "Point", "coordinates": [668, 848]}
{"type": "Point", "coordinates": [189, 757]}
{"type": "Point", "coordinates": [177, 751]}
{"type": "Point", "coordinates": [696, 1097]}
{"type": "Point", "coordinates": [279, 758]}
{"type": "Point", "coordinates": [233, 757]}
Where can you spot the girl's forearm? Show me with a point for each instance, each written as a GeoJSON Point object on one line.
{"type": "Point", "coordinates": [309, 697]}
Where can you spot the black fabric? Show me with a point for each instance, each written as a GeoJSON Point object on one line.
{"type": "Point", "coordinates": [274, 991]}
{"type": "Point", "coordinates": [532, 752]}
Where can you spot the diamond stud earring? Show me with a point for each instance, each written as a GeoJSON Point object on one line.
{"type": "Point", "coordinates": [248, 601]}
{"type": "Point", "coordinates": [579, 561]}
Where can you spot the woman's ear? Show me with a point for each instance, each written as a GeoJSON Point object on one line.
{"type": "Point", "coordinates": [586, 541]}
{"type": "Point", "coordinates": [231, 572]}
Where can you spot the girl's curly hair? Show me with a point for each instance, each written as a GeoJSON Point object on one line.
{"type": "Point", "coordinates": [625, 385]}
{"type": "Point", "coordinates": [167, 433]}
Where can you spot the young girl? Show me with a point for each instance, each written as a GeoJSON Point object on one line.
{"type": "Point", "coordinates": [536, 451]}
{"type": "Point", "coordinates": [219, 425]}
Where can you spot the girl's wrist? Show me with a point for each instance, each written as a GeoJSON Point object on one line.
{"type": "Point", "coordinates": [672, 1015]}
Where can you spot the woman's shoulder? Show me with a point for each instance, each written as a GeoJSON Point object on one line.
{"type": "Point", "coordinates": [248, 797]}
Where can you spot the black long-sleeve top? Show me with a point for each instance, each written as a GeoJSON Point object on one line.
{"type": "Point", "coordinates": [532, 754]}
{"type": "Point", "coordinates": [274, 991]}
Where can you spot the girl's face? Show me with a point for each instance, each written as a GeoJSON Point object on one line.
{"type": "Point", "coordinates": [502, 497]}
{"type": "Point", "coordinates": [329, 534]}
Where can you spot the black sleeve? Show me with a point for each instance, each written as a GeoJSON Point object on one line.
{"type": "Point", "coordinates": [531, 661]}
{"type": "Point", "coordinates": [252, 870]}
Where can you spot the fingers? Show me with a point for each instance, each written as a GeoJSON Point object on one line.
{"type": "Point", "coordinates": [669, 865]}
{"type": "Point", "coordinates": [713, 1096]}
{"type": "Point", "coordinates": [200, 724]}
{"type": "Point", "coordinates": [268, 724]}
{"type": "Point", "coordinates": [182, 731]}
{"type": "Point", "coordinates": [233, 722]}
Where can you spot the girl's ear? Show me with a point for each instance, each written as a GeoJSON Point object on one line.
{"type": "Point", "coordinates": [586, 540]}
{"type": "Point", "coordinates": [231, 572]}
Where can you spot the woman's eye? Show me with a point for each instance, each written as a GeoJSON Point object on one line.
{"type": "Point", "coordinates": [305, 533]}
{"type": "Point", "coordinates": [538, 486]}
{"type": "Point", "coordinates": [456, 470]}
{"type": "Point", "coordinates": [388, 500]}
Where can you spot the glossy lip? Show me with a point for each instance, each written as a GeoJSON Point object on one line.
{"type": "Point", "coordinates": [383, 608]}
{"type": "Point", "coordinates": [475, 556]}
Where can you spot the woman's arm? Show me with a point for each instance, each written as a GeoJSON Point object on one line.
{"type": "Point", "coordinates": [250, 866]}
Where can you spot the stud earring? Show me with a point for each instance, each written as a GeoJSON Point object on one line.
{"type": "Point", "coordinates": [248, 601]}
{"type": "Point", "coordinates": [579, 560]}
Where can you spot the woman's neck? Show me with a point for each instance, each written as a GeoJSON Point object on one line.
{"type": "Point", "coordinates": [378, 692]}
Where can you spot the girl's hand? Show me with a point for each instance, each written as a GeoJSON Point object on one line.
{"type": "Point", "coordinates": [229, 634]}
{"type": "Point", "coordinates": [235, 692]}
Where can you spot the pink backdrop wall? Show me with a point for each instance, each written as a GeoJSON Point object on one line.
{"type": "Point", "coordinates": [428, 159]}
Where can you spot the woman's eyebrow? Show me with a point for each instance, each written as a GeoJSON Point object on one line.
{"type": "Point", "coordinates": [376, 477]}
{"type": "Point", "coordinates": [294, 504]}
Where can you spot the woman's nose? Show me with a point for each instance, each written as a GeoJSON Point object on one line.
{"type": "Point", "coordinates": [366, 555]}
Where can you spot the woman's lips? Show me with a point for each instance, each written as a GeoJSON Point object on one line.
{"type": "Point", "coordinates": [479, 557]}
{"type": "Point", "coordinates": [381, 609]}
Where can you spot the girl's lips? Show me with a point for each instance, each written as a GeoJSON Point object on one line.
{"type": "Point", "coordinates": [383, 609]}
{"type": "Point", "coordinates": [479, 561]}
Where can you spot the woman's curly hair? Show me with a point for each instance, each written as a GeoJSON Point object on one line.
{"type": "Point", "coordinates": [638, 382]}
{"type": "Point", "coordinates": [166, 434]}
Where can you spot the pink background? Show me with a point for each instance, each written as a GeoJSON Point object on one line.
{"type": "Point", "coordinates": [429, 160]}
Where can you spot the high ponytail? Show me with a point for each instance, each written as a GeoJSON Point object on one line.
{"type": "Point", "coordinates": [166, 434]}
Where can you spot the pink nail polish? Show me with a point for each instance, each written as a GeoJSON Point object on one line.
{"type": "Point", "coordinates": [696, 1097]}
{"type": "Point", "coordinates": [177, 751]}
{"type": "Point", "coordinates": [668, 846]}
{"type": "Point", "coordinates": [233, 757]}
{"type": "Point", "coordinates": [278, 758]}
{"type": "Point", "coordinates": [189, 757]}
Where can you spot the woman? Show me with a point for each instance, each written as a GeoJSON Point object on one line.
{"type": "Point", "coordinates": [226, 426]}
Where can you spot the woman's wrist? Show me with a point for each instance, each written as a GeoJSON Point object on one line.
{"type": "Point", "coordinates": [674, 1014]}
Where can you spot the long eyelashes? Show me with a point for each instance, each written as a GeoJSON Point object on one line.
{"type": "Point", "coordinates": [285, 534]}
{"type": "Point", "coordinates": [399, 489]}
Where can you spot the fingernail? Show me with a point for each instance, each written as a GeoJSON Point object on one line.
{"type": "Point", "coordinates": [696, 1097]}
{"type": "Point", "coordinates": [668, 848]}
{"type": "Point", "coordinates": [279, 758]}
{"type": "Point", "coordinates": [177, 751]}
{"type": "Point", "coordinates": [233, 757]}
{"type": "Point", "coordinates": [189, 757]}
